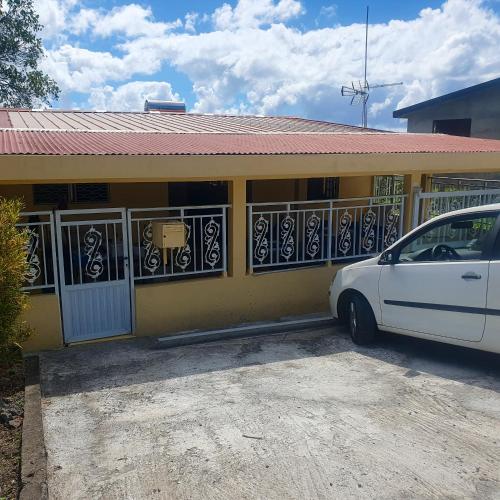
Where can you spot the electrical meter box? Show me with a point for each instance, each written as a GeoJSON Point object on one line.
{"type": "Point", "coordinates": [169, 234]}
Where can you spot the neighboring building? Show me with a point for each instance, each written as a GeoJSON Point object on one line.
{"type": "Point", "coordinates": [262, 210]}
{"type": "Point", "coordinates": [470, 112]}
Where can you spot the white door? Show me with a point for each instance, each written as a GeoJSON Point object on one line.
{"type": "Point", "coordinates": [94, 273]}
{"type": "Point", "coordinates": [438, 285]}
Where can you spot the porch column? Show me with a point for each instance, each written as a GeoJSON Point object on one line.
{"type": "Point", "coordinates": [238, 228]}
{"type": "Point", "coordinates": [411, 182]}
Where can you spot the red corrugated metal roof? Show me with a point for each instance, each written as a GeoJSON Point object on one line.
{"type": "Point", "coordinates": [16, 142]}
{"type": "Point", "coordinates": [4, 119]}
{"type": "Point", "coordinates": [124, 121]}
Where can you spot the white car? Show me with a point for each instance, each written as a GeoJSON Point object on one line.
{"type": "Point", "coordinates": [441, 282]}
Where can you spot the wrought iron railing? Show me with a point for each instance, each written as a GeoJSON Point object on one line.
{"type": "Point", "coordinates": [446, 183]}
{"type": "Point", "coordinates": [40, 251]}
{"type": "Point", "coordinates": [429, 205]}
{"type": "Point", "coordinates": [296, 234]}
{"type": "Point", "coordinates": [205, 251]}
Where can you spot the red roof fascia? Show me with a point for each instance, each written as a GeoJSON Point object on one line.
{"type": "Point", "coordinates": [14, 142]}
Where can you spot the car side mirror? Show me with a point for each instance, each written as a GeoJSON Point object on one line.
{"type": "Point", "coordinates": [388, 258]}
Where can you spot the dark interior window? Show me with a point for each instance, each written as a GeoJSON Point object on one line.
{"type": "Point", "coordinates": [49, 194]}
{"type": "Point", "coordinates": [89, 193]}
{"type": "Point", "coordinates": [326, 188]}
{"type": "Point", "coordinates": [197, 193]}
{"type": "Point", "coordinates": [452, 127]}
{"type": "Point", "coordinates": [55, 194]}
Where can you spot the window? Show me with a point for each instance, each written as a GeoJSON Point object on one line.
{"type": "Point", "coordinates": [89, 193]}
{"type": "Point", "coordinates": [55, 194]}
{"type": "Point", "coordinates": [460, 239]}
{"type": "Point", "coordinates": [197, 193]}
{"type": "Point", "coordinates": [452, 127]}
{"type": "Point", "coordinates": [326, 188]}
{"type": "Point", "coordinates": [388, 185]}
{"type": "Point", "coordinates": [49, 194]}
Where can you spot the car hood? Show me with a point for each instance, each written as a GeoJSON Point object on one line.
{"type": "Point", "coordinates": [363, 263]}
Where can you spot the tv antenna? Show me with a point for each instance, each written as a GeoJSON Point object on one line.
{"type": "Point", "coordinates": [360, 92]}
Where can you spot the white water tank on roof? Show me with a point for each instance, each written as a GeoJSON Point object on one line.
{"type": "Point", "coordinates": [164, 106]}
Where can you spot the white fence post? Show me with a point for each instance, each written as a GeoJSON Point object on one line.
{"type": "Point", "coordinates": [417, 190]}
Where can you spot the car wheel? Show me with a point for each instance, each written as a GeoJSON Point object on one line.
{"type": "Point", "coordinates": [362, 324]}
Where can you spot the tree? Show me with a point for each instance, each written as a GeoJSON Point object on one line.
{"type": "Point", "coordinates": [22, 84]}
{"type": "Point", "coordinates": [13, 267]}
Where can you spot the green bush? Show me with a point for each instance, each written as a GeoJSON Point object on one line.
{"type": "Point", "coordinates": [13, 267]}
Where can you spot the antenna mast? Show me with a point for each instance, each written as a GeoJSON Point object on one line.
{"type": "Point", "coordinates": [365, 112]}
{"type": "Point", "coordinates": [361, 92]}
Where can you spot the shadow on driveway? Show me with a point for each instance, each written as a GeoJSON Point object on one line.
{"type": "Point", "coordinates": [123, 362]}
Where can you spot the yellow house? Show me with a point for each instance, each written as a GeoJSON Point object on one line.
{"type": "Point", "coordinates": [159, 223]}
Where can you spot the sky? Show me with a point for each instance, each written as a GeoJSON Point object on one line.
{"type": "Point", "coordinates": [266, 57]}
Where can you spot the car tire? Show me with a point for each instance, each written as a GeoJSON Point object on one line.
{"type": "Point", "coordinates": [361, 321]}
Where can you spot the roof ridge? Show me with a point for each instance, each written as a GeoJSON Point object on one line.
{"type": "Point", "coordinates": [177, 132]}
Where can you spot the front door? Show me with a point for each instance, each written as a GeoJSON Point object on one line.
{"type": "Point", "coordinates": [94, 273]}
{"type": "Point", "coordinates": [439, 284]}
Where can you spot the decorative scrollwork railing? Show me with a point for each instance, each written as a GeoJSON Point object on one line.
{"type": "Point", "coordinates": [205, 234]}
{"type": "Point", "coordinates": [428, 205]}
{"type": "Point", "coordinates": [40, 250]}
{"type": "Point", "coordinates": [295, 234]}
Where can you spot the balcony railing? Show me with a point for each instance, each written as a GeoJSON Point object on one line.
{"type": "Point", "coordinates": [40, 251]}
{"type": "Point", "coordinates": [296, 234]}
{"type": "Point", "coordinates": [206, 242]}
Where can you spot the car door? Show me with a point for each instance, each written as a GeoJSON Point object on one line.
{"type": "Point", "coordinates": [439, 282]}
{"type": "Point", "coordinates": [492, 327]}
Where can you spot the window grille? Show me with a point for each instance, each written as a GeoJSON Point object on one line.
{"type": "Point", "coordinates": [49, 194]}
{"type": "Point", "coordinates": [53, 194]}
{"type": "Point", "coordinates": [388, 185]}
{"type": "Point", "coordinates": [90, 193]}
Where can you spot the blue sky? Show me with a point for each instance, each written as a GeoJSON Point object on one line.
{"type": "Point", "coordinates": [266, 56]}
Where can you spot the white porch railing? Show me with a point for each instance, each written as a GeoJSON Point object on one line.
{"type": "Point", "coordinates": [429, 205]}
{"type": "Point", "coordinates": [206, 242]}
{"type": "Point", "coordinates": [40, 251]}
{"type": "Point", "coordinates": [305, 233]}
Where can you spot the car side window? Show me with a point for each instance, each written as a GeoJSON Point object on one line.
{"type": "Point", "coordinates": [460, 239]}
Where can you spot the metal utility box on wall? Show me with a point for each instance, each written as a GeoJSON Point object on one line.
{"type": "Point", "coordinates": [169, 234]}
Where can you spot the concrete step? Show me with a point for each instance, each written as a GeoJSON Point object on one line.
{"type": "Point", "coordinates": [283, 325]}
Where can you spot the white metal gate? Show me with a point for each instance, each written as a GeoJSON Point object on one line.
{"type": "Point", "coordinates": [94, 273]}
{"type": "Point", "coordinates": [429, 205]}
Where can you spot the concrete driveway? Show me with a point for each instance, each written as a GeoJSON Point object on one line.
{"type": "Point", "coordinates": [302, 415]}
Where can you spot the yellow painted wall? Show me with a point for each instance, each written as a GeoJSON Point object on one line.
{"type": "Point", "coordinates": [356, 187]}
{"type": "Point", "coordinates": [44, 317]}
{"type": "Point", "coordinates": [168, 308]}
{"type": "Point", "coordinates": [270, 190]}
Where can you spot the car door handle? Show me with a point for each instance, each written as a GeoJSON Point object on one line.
{"type": "Point", "coordinates": [471, 276]}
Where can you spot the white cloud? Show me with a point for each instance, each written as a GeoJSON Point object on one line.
{"type": "Point", "coordinates": [255, 13]}
{"type": "Point", "coordinates": [53, 16]}
{"type": "Point", "coordinates": [191, 18]}
{"type": "Point", "coordinates": [131, 20]}
{"type": "Point", "coordinates": [254, 62]}
{"type": "Point", "coordinates": [279, 68]}
{"type": "Point", "coordinates": [328, 11]}
{"type": "Point", "coordinates": [130, 96]}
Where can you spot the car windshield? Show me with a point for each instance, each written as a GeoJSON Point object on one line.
{"type": "Point", "coordinates": [462, 239]}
